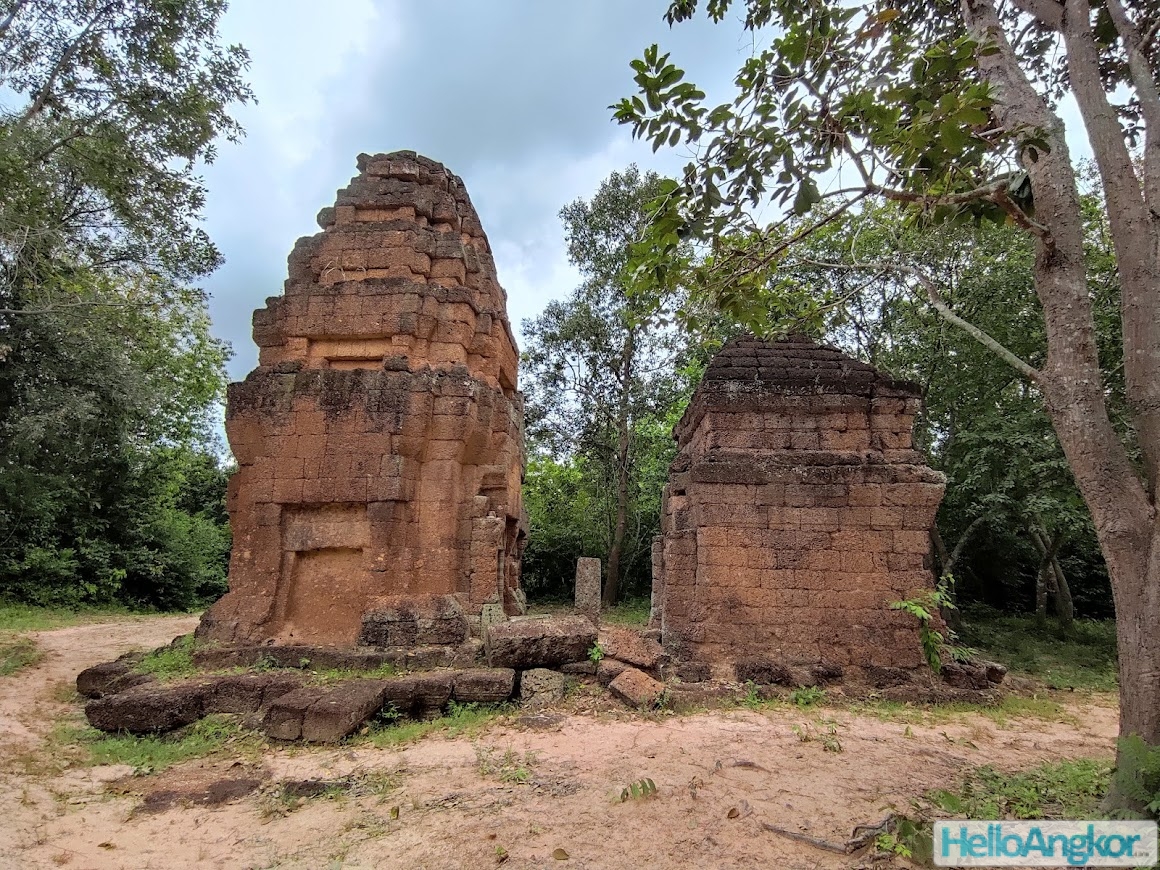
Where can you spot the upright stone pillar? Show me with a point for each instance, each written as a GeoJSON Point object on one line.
{"type": "Point", "coordinates": [588, 588]}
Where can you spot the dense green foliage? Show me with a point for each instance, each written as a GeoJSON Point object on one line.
{"type": "Point", "coordinates": [606, 376]}
{"type": "Point", "coordinates": [1008, 483]}
{"type": "Point", "coordinates": [110, 486]}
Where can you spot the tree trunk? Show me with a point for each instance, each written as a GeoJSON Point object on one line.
{"type": "Point", "coordinates": [623, 447]}
{"type": "Point", "coordinates": [1064, 606]}
{"type": "Point", "coordinates": [947, 561]}
{"type": "Point", "coordinates": [1121, 502]}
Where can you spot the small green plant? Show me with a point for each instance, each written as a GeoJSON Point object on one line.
{"type": "Point", "coordinates": [1137, 776]}
{"type": "Point", "coordinates": [891, 845]}
{"type": "Point", "coordinates": [170, 662]}
{"type": "Point", "coordinates": [824, 731]}
{"type": "Point", "coordinates": [922, 608]}
{"type": "Point", "coordinates": [509, 767]}
{"type": "Point", "coordinates": [17, 653]}
{"type": "Point", "coordinates": [596, 653]}
{"type": "Point", "coordinates": [752, 698]}
{"type": "Point", "coordinates": [642, 788]}
{"type": "Point", "coordinates": [807, 696]}
{"type": "Point", "coordinates": [265, 662]}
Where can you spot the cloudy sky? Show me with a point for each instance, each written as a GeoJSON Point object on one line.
{"type": "Point", "coordinates": [512, 95]}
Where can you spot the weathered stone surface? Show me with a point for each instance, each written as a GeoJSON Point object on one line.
{"type": "Point", "coordinates": [379, 442]}
{"type": "Point", "coordinates": [148, 709]}
{"type": "Point", "coordinates": [583, 669]}
{"type": "Point", "coordinates": [247, 693]}
{"type": "Point", "coordinates": [341, 710]}
{"type": "Point", "coordinates": [420, 694]}
{"type": "Point", "coordinates": [764, 672]}
{"type": "Point", "coordinates": [796, 511]}
{"type": "Point", "coordinates": [995, 671]}
{"type": "Point", "coordinates": [109, 677]}
{"type": "Point", "coordinates": [883, 678]}
{"type": "Point", "coordinates": [331, 658]}
{"type": "Point", "coordinates": [283, 718]}
{"type": "Point", "coordinates": [540, 687]}
{"type": "Point", "coordinates": [409, 622]}
{"type": "Point", "coordinates": [637, 689]}
{"type": "Point", "coordinates": [691, 696]}
{"type": "Point", "coordinates": [588, 588]}
{"type": "Point", "coordinates": [483, 685]}
{"type": "Point", "coordinates": [693, 671]}
{"type": "Point", "coordinates": [531, 643]}
{"type": "Point", "coordinates": [608, 669]}
{"type": "Point", "coordinates": [629, 646]}
{"type": "Point", "coordinates": [965, 675]}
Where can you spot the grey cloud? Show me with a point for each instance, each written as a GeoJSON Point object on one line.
{"type": "Point", "coordinates": [510, 95]}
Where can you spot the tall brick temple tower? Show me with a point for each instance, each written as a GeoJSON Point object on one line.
{"type": "Point", "coordinates": [796, 511]}
{"type": "Point", "coordinates": [380, 440]}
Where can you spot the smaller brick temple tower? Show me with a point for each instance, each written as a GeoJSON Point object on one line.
{"type": "Point", "coordinates": [380, 439]}
{"type": "Point", "coordinates": [796, 511]}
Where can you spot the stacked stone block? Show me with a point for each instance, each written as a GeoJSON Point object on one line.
{"type": "Point", "coordinates": [380, 440]}
{"type": "Point", "coordinates": [796, 511]}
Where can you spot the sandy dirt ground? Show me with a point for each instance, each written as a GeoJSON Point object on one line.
{"type": "Point", "coordinates": [511, 795]}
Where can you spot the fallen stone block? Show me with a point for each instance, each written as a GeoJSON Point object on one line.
{"type": "Point", "coordinates": [341, 710]}
{"type": "Point", "coordinates": [608, 670]}
{"type": "Point", "coordinates": [996, 672]}
{"type": "Point", "coordinates": [421, 694]}
{"type": "Point", "coordinates": [283, 718]}
{"type": "Point", "coordinates": [535, 643]}
{"type": "Point", "coordinates": [109, 678]}
{"type": "Point", "coordinates": [540, 687]}
{"type": "Point", "coordinates": [483, 685]}
{"type": "Point", "coordinates": [629, 646]}
{"type": "Point", "coordinates": [148, 709]}
{"type": "Point", "coordinates": [637, 689]}
{"type": "Point", "coordinates": [584, 669]}
{"type": "Point", "coordinates": [965, 675]}
{"type": "Point", "coordinates": [248, 693]}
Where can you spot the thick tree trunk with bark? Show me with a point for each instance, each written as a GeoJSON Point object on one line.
{"type": "Point", "coordinates": [1122, 503]}
{"type": "Point", "coordinates": [623, 456]}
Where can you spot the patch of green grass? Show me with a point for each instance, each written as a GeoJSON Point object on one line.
{"type": "Point", "coordinates": [1066, 790]}
{"type": "Point", "coordinates": [16, 653]}
{"type": "Point", "coordinates": [631, 612]}
{"type": "Point", "coordinates": [29, 617]}
{"type": "Point", "coordinates": [170, 662]}
{"type": "Point", "coordinates": [390, 731]}
{"type": "Point", "coordinates": [807, 696]}
{"type": "Point", "coordinates": [334, 675]}
{"type": "Point", "coordinates": [1086, 660]}
{"type": "Point", "coordinates": [149, 754]}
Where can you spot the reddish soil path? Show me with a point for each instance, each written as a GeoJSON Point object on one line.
{"type": "Point", "coordinates": [457, 809]}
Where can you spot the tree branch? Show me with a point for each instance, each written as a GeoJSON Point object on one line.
{"type": "Point", "coordinates": [944, 311]}
{"type": "Point", "coordinates": [6, 23]}
{"type": "Point", "coordinates": [66, 57]}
